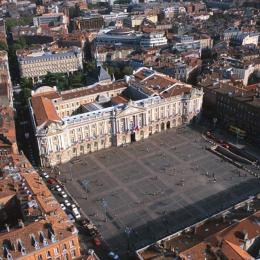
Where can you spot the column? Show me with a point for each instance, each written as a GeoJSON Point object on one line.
{"type": "Point", "coordinates": [145, 119]}
{"type": "Point", "coordinates": [50, 144]}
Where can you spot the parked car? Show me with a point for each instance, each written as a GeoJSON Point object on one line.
{"type": "Point", "coordinates": [113, 255]}
{"type": "Point", "coordinates": [58, 188]}
{"type": "Point", "coordinates": [76, 213]}
{"type": "Point", "coordinates": [89, 227]}
{"type": "Point", "coordinates": [62, 206]}
{"type": "Point", "coordinates": [96, 241]}
{"type": "Point", "coordinates": [45, 175]}
{"type": "Point", "coordinates": [52, 181]}
{"type": "Point", "coordinates": [67, 203]}
{"type": "Point", "coordinates": [71, 218]}
{"type": "Point", "coordinates": [63, 194]}
{"type": "Point", "coordinates": [73, 206]}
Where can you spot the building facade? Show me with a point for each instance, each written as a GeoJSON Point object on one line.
{"type": "Point", "coordinates": [6, 91]}
{"type": "Point", "coordinates": [108, 115]}
{"type": "Point", "coordinates": [154, 39]}
{"type": "Point", "coordinates": [234, 106]}
{"type": "Point", "coordinates": [91, 22]}
{"type": "Point", "coordinates": [36, 64]}
{"type": "Point", "coordinates": [54, 18]}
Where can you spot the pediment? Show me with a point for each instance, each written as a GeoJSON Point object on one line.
{"type": "Point", "coordinates": [49, 127]}
{"type": "Point", "coordinates": [130, 110]}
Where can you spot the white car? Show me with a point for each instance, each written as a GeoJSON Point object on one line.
{"type": "Point", "coordinates": [58, 188]}
{"type": "Point", "coordinates": [67, 203]}
{"type": "Point", "coordinates": [45, 175]}
{"type": "Point", "coordinates": [73, 206]}
{"type": "Point", "coordinates": [75, 210]}
{"type": "Point", "coordinates": [63, 194]}
{"type": "Point", "coordinates": [62, 206]}
{"type": "Point", "coordinates": [76, 214]}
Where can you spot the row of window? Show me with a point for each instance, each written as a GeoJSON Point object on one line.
{"type": "Point", "coordinates": [47, 60]}
{"type": "Point", "coordinates": [56, 252]}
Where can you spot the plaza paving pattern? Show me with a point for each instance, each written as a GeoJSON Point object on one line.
{"type": "Point", "coordinates": [154, 187]}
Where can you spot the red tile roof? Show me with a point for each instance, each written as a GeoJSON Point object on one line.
{"type": "Point", "coordinates": [94, 90]}
{"type": "Point", "coordinates": [44, 110]}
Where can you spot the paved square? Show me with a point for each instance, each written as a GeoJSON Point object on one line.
{"type": "Point", "coordinates": [155, 187]}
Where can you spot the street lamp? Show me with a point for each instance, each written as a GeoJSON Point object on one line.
{"type": "Point", "coordinates": [237, 132]}
{"type": "Point", "coordinates": [128, 231]}
{"type": "Point", "coordinates": [215, 120]}
{"type": "Point", "coordinates": [165, 221]}
{"type": "Point", "coordinates": [70, 171]}
{"type": "Point", "coordinates": [104, 206]}
{"type": "Point", "coordinates": [86, 184]}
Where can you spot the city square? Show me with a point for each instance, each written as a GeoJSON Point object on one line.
{"type": "Point", "coordinates": [147, 190]}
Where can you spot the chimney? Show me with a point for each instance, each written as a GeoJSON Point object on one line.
{"type": "Point", "coordinates": [7, 227]}
{"type": "Point", "coordinates": [245, 234]}
{"type": "Point", "coordinates": [20, 223]}
{"type": "Point", "coordinates": [74, 230]}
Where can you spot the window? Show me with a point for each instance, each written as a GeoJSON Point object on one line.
{"type": "Point", "coordinates": [73, 253]}
{"type": "Point", "coordinates": [48, 255]}
{"type": "Point", "coordinates": [64, 246]}
{"type": "Point", "coordinates": [39, 257]}
{"type": "Point", "coordinates": [72, 244]}
{"type": "Point", "coordinates": [56, 251]}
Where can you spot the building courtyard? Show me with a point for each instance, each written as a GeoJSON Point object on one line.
{"type": "Point", "coordinates": [149, 189]}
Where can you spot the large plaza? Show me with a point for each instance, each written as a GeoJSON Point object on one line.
{"type": "Point", "coordinates": [142, 192]}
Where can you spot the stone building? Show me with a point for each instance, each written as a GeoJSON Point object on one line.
{"type": "Point", "coordinates": [70, 123]}
{"type": "Point", "coordinates": [34, 64]}
{"type": "Point", "coordinates": [91, 22]}
{"type": "Point", "coordinates": [234, 105]}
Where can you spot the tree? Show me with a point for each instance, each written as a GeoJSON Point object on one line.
{"type": "Point", "coordinates": [3, 46]}
{"type": "Point", "coordinates": [11, 22]}
{"type": "Point", "coordinates": [24, 96]}
{"type": "Point", "coordinates": [127, 70]}
{"type": "Point", "coordinates": [90, 67]}
{"type": "Point", "coordinates": [26, 85]}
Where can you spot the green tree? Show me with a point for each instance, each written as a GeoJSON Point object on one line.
{"type": "Point", "coordinates": [11, 22]}
{"type": "Point", "coordinates": [3, 46]}
{"type": "Point", "coordinates": [127, 70]}
{"type": "Point", "coordinates": [26, 85]}
{"type": "Point", "coordinates": [90, 67]}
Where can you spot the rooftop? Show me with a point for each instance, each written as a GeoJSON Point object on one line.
{"type": "Point", "coordinates": [154, 83]}
{"type": "Point", "coordinates": [43, 102]}
{"type": "Point", "coordinates": [44, 110]}
{"type": "Point", "coordinates": [27, 239]}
